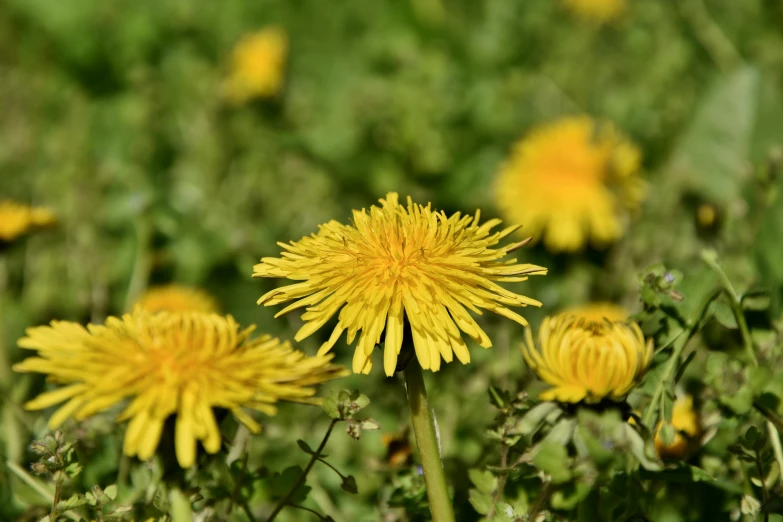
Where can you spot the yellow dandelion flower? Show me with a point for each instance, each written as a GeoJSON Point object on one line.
{"type": "Point", "coordinates": [177, 298]}
{"type": "Point", "coordinates": [180, 364]}
{"type": "Point", "coordinates": [257, 65]}
{"type": "Point", "coordinates": [571, 181]}
{"type": "Point", "coordinates": [599, 311]}
{"type": "Point", "coordinates": [17, 220]}
{"type": "Point", "coordinates": [686, 424]}
{"type": "Point", "coordinates": [596, 11]}
{"type": "Point", "coordinates": [587, 360]}
{"type": "Point", "coordinates": [395, 261]}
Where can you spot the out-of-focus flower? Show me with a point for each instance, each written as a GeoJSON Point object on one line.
{"type": "Point", "coordinates": [587, 360]}
{"type": "Point", "coordinates": [257, 66]}
{"type": "Point", "coordinates": [177, 298]}
{"type": "Point", "coordinates": [599, 312]}
{"type": "Point", "coordinates": [570, 182]}
{"type": "Point", "coordinates": [17, 220]}
{"type": "Point", "coordinates": [596, 11]}
{"type": "Point", "coordinates": [395, 261]}
{"type": "Point", "coordinates": [169, 364]}
{"type": "Point", "coordinates": [685, 421]}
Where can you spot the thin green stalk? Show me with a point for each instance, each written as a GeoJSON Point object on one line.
{"type": "Point", "coordinates": [424, 430]}
{"type": "Point", "coordinates": [58, 487]}
{"type": "Point", "coordinates": [313, 459]}
{"type": "Point", "coordinates": [681, 341]}
{"type": "Point", "coordinates": [735, 302]}
{"type": "Point", "coordinates": [141, 264]}
{"type": "Point", "coordinates": [774, 439]}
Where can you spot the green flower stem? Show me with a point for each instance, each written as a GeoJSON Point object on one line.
{"type": "Point", "coordinates": [424, 430]}
{"type": "Point", "coordinates": [301, 480]}
{"type": "Point", "coordinates": [736, 306]}
{"type": "Point", "coordinates": [668, 373]}
{"type": "Point", "coordinates": [774, 438]}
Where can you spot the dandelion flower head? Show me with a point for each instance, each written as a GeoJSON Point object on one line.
{"type": "Point", "coordinates": [17, 220]}
{"type": "Point", "coordinates": [395, 261]}
{"type": "Point", "coordinates": [257, 65]}
{"type": "Point", "coordinates": [169, 364]}
{"type": "Point", "coordinates": [570, 182]}
{"type": "Point", "coordinates": [685, 421]}
{"type": "Point", "coordinates": [596, 11]}
{"type": "Point", "coordinates": [587, 360]}
{"type": "Point", "coordinates": [177, 298]}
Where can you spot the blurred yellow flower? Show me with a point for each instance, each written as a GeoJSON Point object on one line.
{"type": "Point", "coordinates": [257, 65]}
{"type": "Point", "coordinates": [17, 220]}
{"type": "Point", "coordinates": [587, 360]}
{"type": "Point", "coordinates": [686, 424]}
{"type": "Point", "coordinates": [177, 298]}
{"type": "Point", "coordinates": [599, 312]}
{"type": "Point", "coordinates": [180, 364]}
{"type": "Point", "coordinates": [597, 11]}
{"type": "Point", "coordinates": [394, 261]}
{"type": "Point", "coordinates": [571, 181]}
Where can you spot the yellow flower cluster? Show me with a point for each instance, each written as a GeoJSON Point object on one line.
{"type": "Point", "coordinates": [571, 182]}
{"type": "Point", "coordinates": [17, 220]}
{"type": "Point", "coordinates": [169, 364]}
{"type": "Point", "coordinates": [394, 262]}
{"type": "Point", "coordinates": [257, 66]}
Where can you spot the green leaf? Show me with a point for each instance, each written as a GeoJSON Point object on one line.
{"type": "Point", "coordinates": [643, 452]}
{"type": "Point", "coordinates": [306, 448]}
{"type": "Point", "coordinates": [361, 400]}
{"type": "Point", "coordinates": [533, 419]}
{"type": "Point", "coordinates": [74, 501]}
{"type": "Point", "coordinates": [710, 158]}
{"type": "Point", "coordinates": [568, 497]}
{"type": "Point", "coordinates": [562, 432]}
{"type": "Point", "coordinates": [370, 425]}
{"type": "Point", "coordinates": [756, 300]}
{"type": "Point", "coordinates": [481, 502]}
{"type": "Point", "coordinates": [180, 507]}
{"type": "Point", "coordinates": [484, 481]}
{"type": "Point", "coordinates": [684, 366]}
{"type": "Point", "coordinates": [349, 485]}
{"type": "Point", "coordinates": [769, 247]}
{"type": "Point", "coordinates": [111, 491]}
{"type": "Point", "coordinates": [552, 458]}
{"type": "Point", "coordinates": [667, 433]}
{"type": "Point", "coordinates": [497, 397]}
{"type": "Point", "coordinates": [740, 402]}
{"type": "Point", "coordinates": [330, 405]}
{"type": "Point", "coordinates": [724, 314]}
{"type": "Point", "coordinates": [759, 377]}
{"type": "Point", "coordinates": [281, 483]}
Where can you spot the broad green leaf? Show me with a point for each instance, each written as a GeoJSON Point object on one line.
{"type": "Point", "coordinates": [568, 497]}
{"type": "Point", "coordinates": [484, 481]}
{"type": "Point", "coordinates": [710, 158]}
{"type": "Point", "coordinates": [481, 502]}
{"type": "Point", "coordinates": [552, 458]}
{"type": "Point", "coordinates": [349, 485]}
{"type": "Point", "coordinates": [111, 491]}
{"type": "Point", "coordinates": [534, 418]}
{"type": "Point", "coordinates": [180, 507]}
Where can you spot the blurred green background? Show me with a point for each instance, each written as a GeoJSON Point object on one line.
{"type": "Point", "coordinates": [111, 114]}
